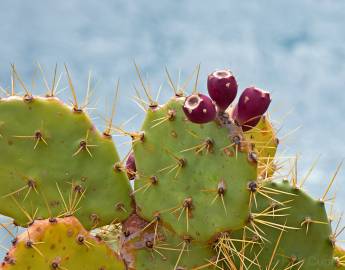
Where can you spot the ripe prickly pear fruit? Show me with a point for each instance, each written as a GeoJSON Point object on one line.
{"type": "Point", "coordinates": [253, 103]}
{"type": "Point", "coordinates": [199, 109]}
{"type": "Point", "coordinates": [222, 88]}
{"type": "Point", "coordinates": [130, 166]}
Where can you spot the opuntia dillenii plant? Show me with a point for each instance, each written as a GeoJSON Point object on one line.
{"type": "Point", "coordinates": [207, 191]}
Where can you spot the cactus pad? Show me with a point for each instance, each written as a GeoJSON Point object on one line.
{"type": "Point", "coordinates": [54, 162]}
{"type": "Point", "coordinates": [291, 231]}
{"type": "Point", "coordinates": [60, 243]}
{"type": "Point", "coordinates": [196, 177]}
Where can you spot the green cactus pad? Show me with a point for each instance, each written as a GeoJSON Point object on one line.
{"type": "Point", "coordinates": [301, 239]}
{"type": "Point", "coordinates": [60, 243]}
{"type": "Point", "coordinates": [193, 176]}
{"type": "Point", "coordinates": [263, 141]}
{"type": "Point", "coordinates": [147, 247]}
{"type": "Point", "coordinates": [50, 151]}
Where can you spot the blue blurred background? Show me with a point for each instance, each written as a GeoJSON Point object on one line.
{"type": "Point", "coordinates": [295, 49]}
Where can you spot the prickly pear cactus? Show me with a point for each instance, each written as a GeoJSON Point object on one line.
{"type": "Point", "coordinates": [60, 243]}
{"type": "Point", "coordinates": [290, 229]}
{"type": "Point", "coordinates": [54, 162]}
{"type": "Point", "coordinates": [179, 186]}
{"type": "Point", "coordinates": [203, 195]}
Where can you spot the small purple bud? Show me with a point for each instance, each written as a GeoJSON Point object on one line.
{"type": "Point", "coordinates": [199, 109]}
{"type": "Point", "coordinates": [252, 104]}
{"type": "Point", "coordinates": [130, 166]}
{"type": "Point", "coordinates": [222, 87]}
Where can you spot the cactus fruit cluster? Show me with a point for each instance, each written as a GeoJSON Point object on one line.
{"type": "Point", "coordinates": [199, 189]}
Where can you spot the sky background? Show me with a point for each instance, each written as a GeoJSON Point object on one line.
{"type": "Point", "coordinates": [295, 49]}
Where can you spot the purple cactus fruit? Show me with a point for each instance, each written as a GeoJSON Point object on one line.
{"type": "Point", "coordinates": [130, 166]}
{"type": "Point", "coordinates": [249, 124]}
{"type": "Point", "coordinates": [222, 87]}
{"type": "Point", "coordinates": [199, 109]}
{"type": "Point", "coordinates": [252, 104]}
